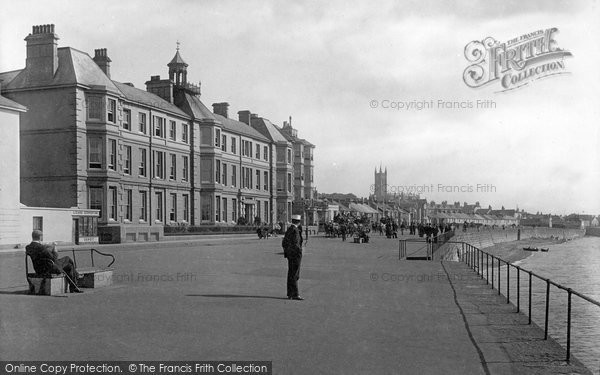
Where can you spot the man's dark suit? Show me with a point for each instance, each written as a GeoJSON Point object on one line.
{"type": "Point", "coordinates": [292, 250]}
{"type": "Point", "coordinates": [46, 262]}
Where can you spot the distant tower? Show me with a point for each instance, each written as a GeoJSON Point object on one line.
{"type": "Point", "coordinates": [380, 188]}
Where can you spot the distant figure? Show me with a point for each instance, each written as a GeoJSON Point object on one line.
{"type": "Point", "coordinates": [292, 250]}
{"type": "Point", "coordinates": [46, 261]}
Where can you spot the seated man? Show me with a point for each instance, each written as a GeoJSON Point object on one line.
{"type": "Point", "coordinates": [46, 262]}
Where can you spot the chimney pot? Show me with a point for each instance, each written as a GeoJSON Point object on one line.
{"type": "Point", "coordinates": [244, 116]}
{"type": "Point", "coordinates": [102, 60]}
{"type": "Point", "coordinates": [221, 109]}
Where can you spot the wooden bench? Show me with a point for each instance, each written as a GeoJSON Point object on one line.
{"type": "Point", "coordinates": [52, 284]}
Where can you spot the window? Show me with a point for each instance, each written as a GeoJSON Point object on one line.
{"type": "Point", "coordinates": [184, 133]}
{"type": "Point", "coordinates": [258, 151]}
{"type": "Point", "coordinates": [266, 181]}
{"type": "Point", "coordinates": [234, 210]}
{"type": "Point", "coordinates": [266, 153]}
{"type": "Point", "coordinates": [266, 211]}
{"type": "Point", "coordinates": [95, 152]}
{"type": "Point", "coordinates": [205, 207]}
{"type": "Point", "coordinates": [127, 161]}
{"type": "Point", "coordinates": [233, 145]}
{"type": "Point", "coordinates": [94, 106]}
{"type": "Point", "coordinates": [126, 119]}
{"type": "Point", "coordinates": [184, 172]}
{"type": "Point", "coordinates": [224, 207]}
{"type": "Point", "coordinates": [173, 212]}
{"type": "Point", "coordinates": [128, 204]}
{"type": "Point", "coordinates": [159, 205]}
{"type": "Point", "coordinates": [142, 125]}
{"type": "Point", "coordinates": [159, 164]}
{"type": "Point", "coordinates": [218, 208]}
{"type": "Point", "coordinates": [258, 210]}
{"type": "Point", "coordinates": [159, 126]}
{"type": "Point", "coordinates": [289, 183]}
{"type": "Point", "coordinates": [143, 205]}
{"type": "Point", "coordinates": [173, 169]}
{"type": "Point", "coordinates": [218, 171]}
{"type": "Point", "coordinates": [186, 208]}
{"type": "Point", "coordinates": [217, 137]}
{"type": "Point", "coordinates": [224, 143]}
{"type": "Point", "coordinates": [112, 154]}
{"type": "Point", "coordinates": [142, 168]}
{"type": "Point", "coordinates": [289, 156]}
{"type": "Point", "coordinates": [111, 111]}
{"type": "Point", "coordinates": [95, 199]}
{"type": "Point", "coordinates": [233, 176]}
{"type": "Point", "coordinates": [280, 182]}
{"type": "Point", "coordinates": [172, 130]}
{"type": "Point", "coordinates": [249, 154]}
{"type": "Point", "coordinates": [206, 170]}
{"type": "Point", "coordinates": [257, 179]}
{"type": "Point", "coordinates": [112, 203]}
{"type": "Point", "coordinates": [38, 223]}
{"type": "Point", "coordinates": [224, 174]}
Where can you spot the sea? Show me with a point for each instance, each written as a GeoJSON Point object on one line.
{"type": "Point", "coordinates": [576, 265]}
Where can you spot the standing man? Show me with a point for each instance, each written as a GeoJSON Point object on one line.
{"type": "Point", "coordinates": [292, 250]}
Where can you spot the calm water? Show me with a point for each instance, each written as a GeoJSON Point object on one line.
{"type": "Point", "coordinates": [574, 264]}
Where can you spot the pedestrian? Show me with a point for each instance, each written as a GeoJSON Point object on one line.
{"type": "Point", "coordinates": [292, 251]}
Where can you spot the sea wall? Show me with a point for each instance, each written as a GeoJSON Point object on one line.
{"type": "Point", "coordinates": [491, 237]}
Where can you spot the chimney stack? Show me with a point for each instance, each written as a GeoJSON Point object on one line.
{"type": "Point", "coordinates": [161, 87]}
{"type": "Point", "coordinates": [42, 54]}
{"type": "Point", "coordinates": [244, 116]}
{"type": "Point", "coordinates": [221, 109]}
{"type": "Point", "coordinates": [101, 58]}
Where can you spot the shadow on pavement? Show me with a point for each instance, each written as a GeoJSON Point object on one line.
{"type": "Point", "coordinates": [232, 296]}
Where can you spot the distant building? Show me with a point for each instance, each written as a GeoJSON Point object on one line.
{"type": "Point", "coordinates": [380, 186]}
{"type": "Point", "coordinates": [143, 158]}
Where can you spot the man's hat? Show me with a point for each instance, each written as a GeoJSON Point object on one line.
{"type": "Point", "coordinates": [296, 217]}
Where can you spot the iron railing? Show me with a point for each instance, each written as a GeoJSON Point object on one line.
{"type": "Point", "coordinates": [92, 251]}
{"type": "Point", "coordinates": [479, 261]}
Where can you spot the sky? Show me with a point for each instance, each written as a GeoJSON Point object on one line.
{"type": "Point", "coordinates": [337, 68]}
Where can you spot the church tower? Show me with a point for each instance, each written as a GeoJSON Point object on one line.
{"type": "Point", "coordinates": [380, 186]}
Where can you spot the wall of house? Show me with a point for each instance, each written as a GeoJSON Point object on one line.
{"type": "Point", "coordinates": [9, 183]}
{"type": "Point", "coordinates": [48, 173]}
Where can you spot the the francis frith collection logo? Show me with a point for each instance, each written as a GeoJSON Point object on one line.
{"type": "Point", "coordinates": [514, 63]}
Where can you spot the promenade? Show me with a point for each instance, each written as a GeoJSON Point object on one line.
{"type": "Point", "coordinates": [365, 312]}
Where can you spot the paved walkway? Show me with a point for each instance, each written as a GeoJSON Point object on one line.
{"type": "Point", "coordinates": [365, 312]}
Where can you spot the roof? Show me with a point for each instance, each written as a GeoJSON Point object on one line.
{"type": "Point", "coordinates": [7, 103]}
{"type": "Point", "coordinates": [74, 67]}
{"type": "Point", "coordinates": [6, 77]}
{"type": "Point", "coordinates": [240, 128]}
{"type": "Point", "coordinates": [147, 98]}
{"type": "Point", "coordinates": [306, 143]}
{"type": "Point", "coordinates": [193, 106]}
{"type": "Point", "coordinates": [266, 128]}
{"type": "Point", "coordinates": [362, 208]}
{"type": "Point", "coordinates": [177, 60]}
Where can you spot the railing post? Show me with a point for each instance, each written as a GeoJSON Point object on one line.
{"type": "Point", "coordinates": [493, 278]}
{"type": "Point", "coordinates": [547, 309]}
{"type": "Point", "coordinates": [569, 326]}
{"type": "Point", "coordinates": [518, 289]}
{"type": "Point", "coordinates": [529, 297]}
{"type": "Point", "coordinates": [92, 256]}
{"type": "Point", "coordinates": [507, 283]}
{"type": "Point", "coordinates": [499, 276]}
{"type": "Point", "coordinates": [487, 269]}
{"type": "Point", "coordinates": [462, 253]}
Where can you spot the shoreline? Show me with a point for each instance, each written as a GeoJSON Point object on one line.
{"type": "Point", "coordinates": [513, 251]}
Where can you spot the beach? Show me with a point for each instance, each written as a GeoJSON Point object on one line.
{"type": "Point", "coordinates": [513, 251]}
